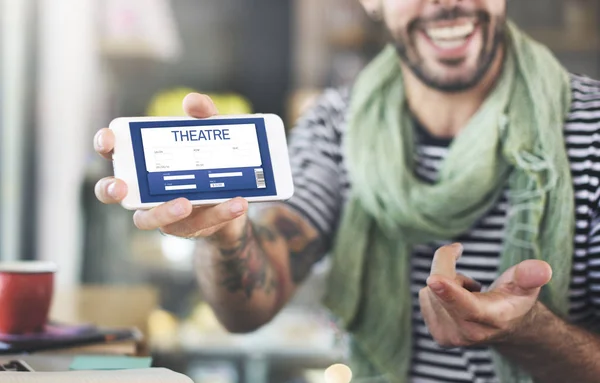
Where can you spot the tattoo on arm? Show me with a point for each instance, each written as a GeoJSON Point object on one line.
{"type": "Point", "coordinates": [305, 250]}
{"type": "Point", "coordinates": [245, 267]}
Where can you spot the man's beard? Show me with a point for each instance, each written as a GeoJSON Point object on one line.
{"type": "Point", "coordinates": [488, 54]}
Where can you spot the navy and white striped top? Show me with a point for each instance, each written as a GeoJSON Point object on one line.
{"type": "Point", "coordinates": [322, 186]}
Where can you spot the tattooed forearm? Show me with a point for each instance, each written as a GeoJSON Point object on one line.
{"type": "Point", "coordinates": [245, 267]}
{"type": "Point", "coordinates": [304, 250]}
{"type": "Point", "coordinates": [302, 261]}
{"type": "Point", "coordinates": [250, 272]}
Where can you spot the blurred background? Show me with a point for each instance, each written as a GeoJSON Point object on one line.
{"type": "Point", "coordinates": [68, 67]}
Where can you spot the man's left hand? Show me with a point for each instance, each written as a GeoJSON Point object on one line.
{"type": "Point", "coordinates": [459, 315]}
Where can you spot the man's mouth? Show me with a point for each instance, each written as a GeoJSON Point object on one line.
{"type": "Point", "coordinates": [451, 36]}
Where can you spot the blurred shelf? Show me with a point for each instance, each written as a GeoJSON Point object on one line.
{"type": "Point", "coordinates": [158, 254]}
{"type": "Point", "coordinates": [355, 38]}
{"type": "Point", "coordinates": [296, 332]}
{"type": "Point", "coordinates": [349, 38]}
{"type": "Point", "coordinates": [562, 41]}
{"type": "Point", "coordinates": [298, 338]}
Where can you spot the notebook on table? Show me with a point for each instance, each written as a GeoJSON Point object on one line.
{"type": "Point", "coordinates": [58, 337]}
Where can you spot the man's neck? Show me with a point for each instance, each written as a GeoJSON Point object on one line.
{"type": "Point", "coordinates": [444, 115]}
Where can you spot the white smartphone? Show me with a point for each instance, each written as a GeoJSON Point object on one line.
{"type": "Point", "coordinates": [207, 161]}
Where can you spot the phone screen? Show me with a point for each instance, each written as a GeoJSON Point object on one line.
{"type": "Point", "coordinates": [202, 159]}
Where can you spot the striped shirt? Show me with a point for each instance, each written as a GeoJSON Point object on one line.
{"type": "Point", "coordinates": [322, 185]}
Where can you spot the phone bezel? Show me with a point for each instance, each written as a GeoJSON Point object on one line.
{"type": "Point", "coordinates": [125, 169]}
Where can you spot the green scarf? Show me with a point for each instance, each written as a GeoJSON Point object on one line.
{"type": "Point", "coordinates": [515, 140]}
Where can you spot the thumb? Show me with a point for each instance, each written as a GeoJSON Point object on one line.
{"type": "Point", "coordinates": [527, 277]}
{"type": "Point", "coordinates": [199, 106]}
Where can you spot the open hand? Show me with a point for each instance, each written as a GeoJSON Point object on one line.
{"type": "Point", "coordinates": [459, 315]}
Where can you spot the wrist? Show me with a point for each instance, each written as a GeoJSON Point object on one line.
{"type": "Point", "coordinates": [232, 235]}
{"type": "Point", "coordinates": [530, 328]}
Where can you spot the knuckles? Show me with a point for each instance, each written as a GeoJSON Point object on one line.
{"type": "Point", "coordinates": [472, 329]}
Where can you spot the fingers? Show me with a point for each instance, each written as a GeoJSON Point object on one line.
{"type": "Point", "coordinates": [207, 218]}
{"type": "Point", "coordinates": [104, 143]}
{"type": "Point", "coordinates": [199, 106]}
{"type": "Point", "coordinates": [110, 190]}
{"type": "Point", "coordinates": [459, 302]}
{"type": "Point", "coordinates": [162, 215]}
{"type": "Point", "coordinates": [444, 260]}
{"type": "Point", "coordinates": [524, 279]}
{"type": "Point", "coordinates": [179, 218]}
{"type": "Point", "coordinates": [468, 283]}
{"type": "Point", "coordinates": [532, 274]}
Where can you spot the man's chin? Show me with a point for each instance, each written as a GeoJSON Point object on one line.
{"type": "Point", "coordinates": [451, 75]}
{"type": "Point", "coordinates": [449, 82]}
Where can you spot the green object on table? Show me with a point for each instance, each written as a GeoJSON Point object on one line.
{"type": "Point", "coordinates": [109, 363]}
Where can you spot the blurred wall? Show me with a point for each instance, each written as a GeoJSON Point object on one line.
{"type": "Point", "coordinates": [571, 28]}
{"type": "Point", "coordinates": [229, 46]}
{"type": "Point", "coordinates": [16, 136]}
{"type": "Point", "coordinates": [68, 70]}
{"type": "Point", "coordinates": [239, 46]}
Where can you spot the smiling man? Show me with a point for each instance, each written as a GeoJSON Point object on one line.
{"type": "Point", "coordinates": [463, 130]}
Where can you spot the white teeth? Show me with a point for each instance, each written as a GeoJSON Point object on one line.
{"type": "Point", "coordinates": [451, 33]}
{"type": "Point", "coordinates": [449, 44]}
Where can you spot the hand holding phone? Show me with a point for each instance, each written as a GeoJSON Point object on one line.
{"type": "Point", "coordinates": [164, 196]}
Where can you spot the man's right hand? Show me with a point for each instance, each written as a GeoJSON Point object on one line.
{"type": "Point", "coordinates": [250, 269]}
{"type": "Point", "coordinates": [225, 221]}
